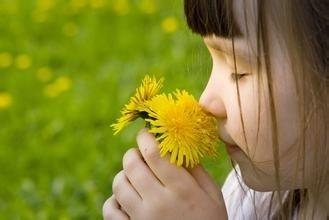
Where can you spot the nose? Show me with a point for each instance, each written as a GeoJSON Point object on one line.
{"type": "Point", "coordinates": [211, 101]}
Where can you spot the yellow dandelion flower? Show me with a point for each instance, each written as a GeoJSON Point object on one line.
{"type": "Point", "coordinates": [23, 61]}
{"type": "Point", "coordinates": [121, 7]}
{"type": "Point", "coordinates": [182, 128]}
{"type": "Point", "coordinates": [9, 7]}
{"type": "Point", "coordinates": [45, 5]}
{"type": "Point", "coordinates": [39, 16]}
{"type": "Point", "coordinates": [169, 24]}
{"type": "Point", "coordinates": [44, 74]}
{"type": "Point", "coordinates": [63, 83]}
{"type": "Point", "coordinates": [77, 5]}
{"type": "Point", "coordinates": [6, 59]}
{"type": "Point", "coordinates": [136, 106]}
{"type": "Point", "coordinates": [5, 100]}
{"type": "Point", "coordinates": [59, 86]}
{"type": "Point", "coordinates": [51, 91]}
{"type": "Point", "coordinates": [70, 29]}
{"type": "Point", "coordinates": [41, 12]}
{"type": "Point", "coordinates": [96, 4]}
{"type": "Point", "coordinates": [148, 6]}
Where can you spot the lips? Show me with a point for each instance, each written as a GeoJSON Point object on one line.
{"type": "Point", "coordinates": [231, 148]}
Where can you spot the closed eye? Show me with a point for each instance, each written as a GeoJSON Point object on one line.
{"type": "Point", "coordinates": [238, 76]}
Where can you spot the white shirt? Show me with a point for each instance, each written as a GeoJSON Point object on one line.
{"type": "Point", "coordinates": [244, 203]}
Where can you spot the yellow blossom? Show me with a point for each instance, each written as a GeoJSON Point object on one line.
{"type": "Point", "coordinates": [44, 74]}
{"type": "Point", "coordinates": [136, 106]}
{"type": "Point", "coordinates": [63, 83]}
{"type": "Point", "coordinates": [5, 100]}
{"type": "Point", "coordinates": [121, 7]}
{"type": "Point", "coordinates": [51, 91]}
{"type": "Point", "coordinates": [6, 59]}
{"type": "Point", "coordinates": [60, 85]}
{"type": "Point", "coordinates": [169, 24]}
{"type": "Point", "coordinates": [182, 128]}
{"type": "Point", "coordinates": [96, 4]}
{"type": "Point", "coordinates": [8, 7]}
{"type": "Point", "coordinates": [41, 12]}
{"type": "Point", "coordinates": [23, 61]}
{"type": "Point", "coordinates": [39, 16]}
{"type": "Point", "coordinates": [77, 5]}
{"type": "Point", "coordinates": [147, 6]}
{"type": "Point", "coordinates": [70, 29]}
{"type": "Point", "coordinates": [45, 5]}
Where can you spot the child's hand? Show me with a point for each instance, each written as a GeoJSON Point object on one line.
{"type": "Point", "coordinates": [158, 190]}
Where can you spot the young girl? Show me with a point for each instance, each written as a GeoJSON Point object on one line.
{"type": "Point", "coordinates": [269, 91]}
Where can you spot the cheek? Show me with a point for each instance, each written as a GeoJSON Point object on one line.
{"type": "Point", "coordinates": [259, 134]}
{"type": "Point", "coordinates": [258, 122]}
{"type": "Point", "coordinates": [256, 145]}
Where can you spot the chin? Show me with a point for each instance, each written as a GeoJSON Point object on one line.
{"type": "Point", "coordinates": [253, 177]}
{"type": "Point", "coordinates": [255, 184]}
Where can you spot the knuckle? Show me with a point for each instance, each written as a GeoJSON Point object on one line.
{"type": "Point", "coordinates": [129, 159]}
{"type": "Point", "coordinates": [151, 154]}
{"type": "Point", "coordinates": [155, 207]}
{"type": "Point", "coordinates": [108, 209]}
{"type": "Point", "coordinates": [116, 182]}
{"type": "Point", "coordinates": [182, 191]}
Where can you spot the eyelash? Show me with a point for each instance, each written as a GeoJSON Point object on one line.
{"type": "Point", "coordinates": [238, 76]}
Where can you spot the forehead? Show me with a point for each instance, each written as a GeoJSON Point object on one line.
{"type": "Point", "coordinates": [241, 48]}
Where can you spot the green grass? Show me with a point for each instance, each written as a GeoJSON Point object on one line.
{"type": "Point", "coordinates": [58, 155]}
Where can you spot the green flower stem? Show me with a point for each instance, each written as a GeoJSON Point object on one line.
{"type": "Point", "coordinates": [147, 125]}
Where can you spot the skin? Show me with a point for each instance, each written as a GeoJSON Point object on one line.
{"type": "Point", "coordinates": [149, 187]}
{"type": "Point", "coordinates": [156, 189]}
{"type": "Point", "coordinates": [138, 187]}
{"type": "Point", "coordinates": [221, 99]}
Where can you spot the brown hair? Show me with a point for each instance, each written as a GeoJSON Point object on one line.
{"type": "Point", "coordinates": [304, 28]}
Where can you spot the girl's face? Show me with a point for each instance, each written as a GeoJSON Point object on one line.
{"type": "Point", "coordinates": [220, 97]}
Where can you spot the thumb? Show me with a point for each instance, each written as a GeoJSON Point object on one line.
{"type": "Point", "coordinates": [207, 183]}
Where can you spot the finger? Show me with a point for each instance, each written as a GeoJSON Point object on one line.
{"type": "Point", "coordinates": [125, 193]}
{"type": "Point", "coordinates": [139, 174]}
{"type": "Point", "coordinates": [169, 174]}
{"type": "Point", "coordinates": [206, 182]}
{"type": "Point", "coordinates": [111, 210]}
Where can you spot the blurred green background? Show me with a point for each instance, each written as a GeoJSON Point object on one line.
{"type": "Point", "coordinates": [66, 69]}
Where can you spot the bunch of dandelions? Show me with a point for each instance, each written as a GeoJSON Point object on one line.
{"type": "Point", "coordinates": [179, 123]}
